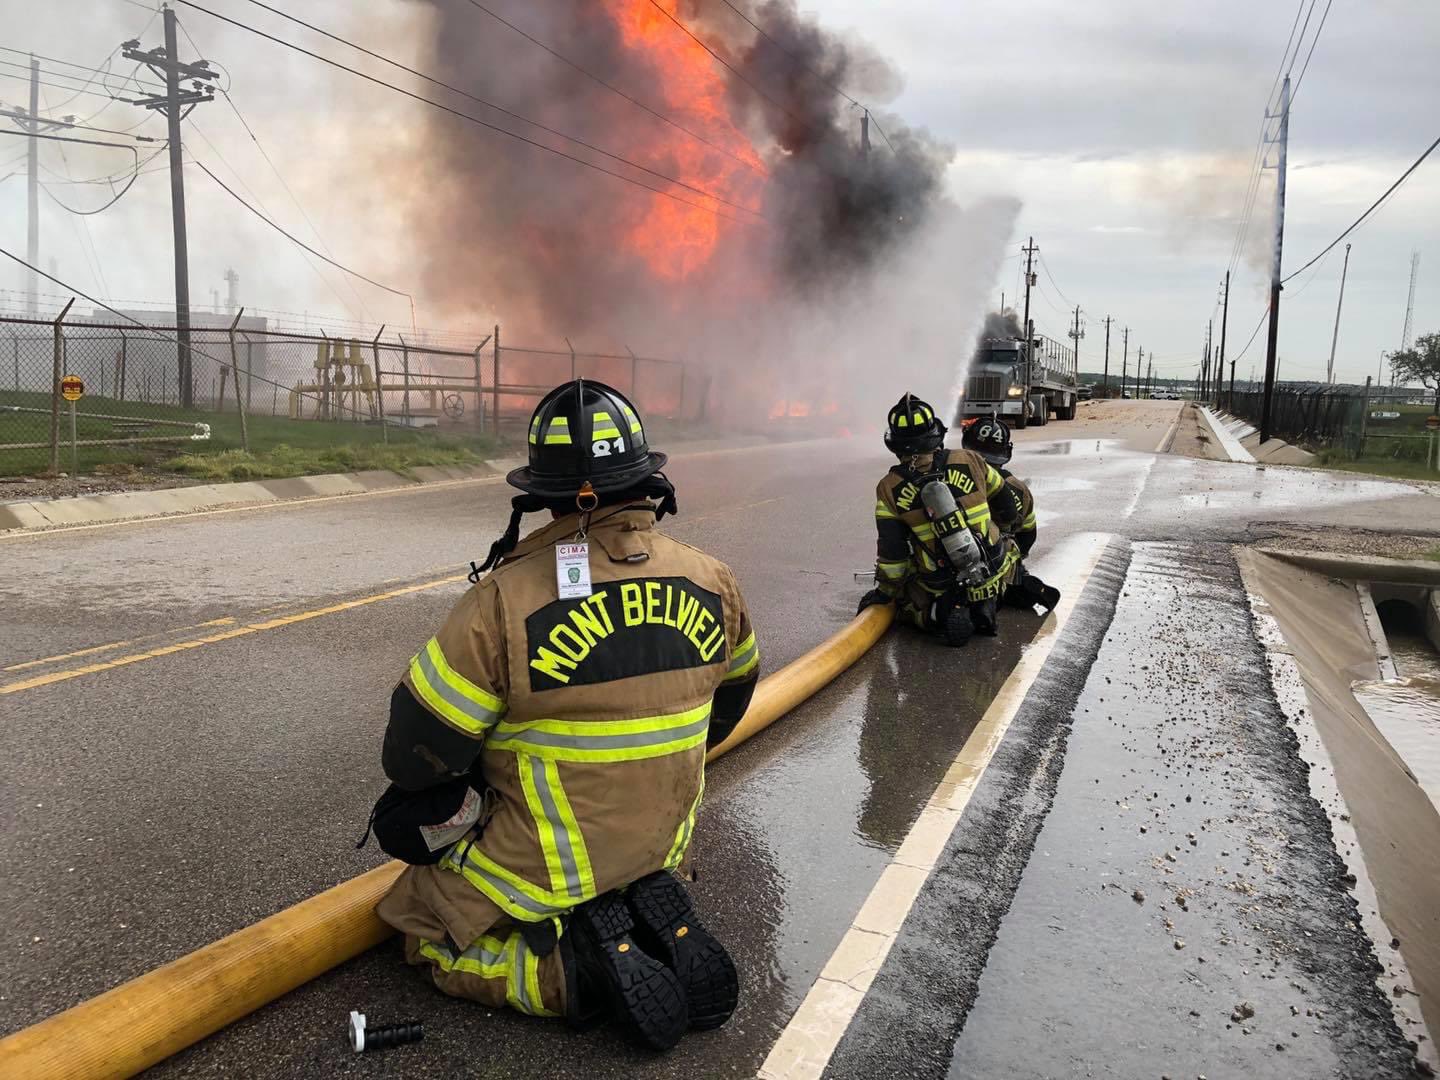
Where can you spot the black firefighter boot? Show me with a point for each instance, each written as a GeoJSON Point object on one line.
{"type": "Point", "coordinates": [668, 928]}
{"type": "Point", "coordinates": [1029, 591]}
{"type": "Point", "coordinates": [606, 971]}
{"type": "Point", "coordinates": [986, 617]}
{"type": "Point", "coordinates": [951, 620]}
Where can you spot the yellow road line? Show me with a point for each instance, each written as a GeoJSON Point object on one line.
{"type": "Point", "coordinates": [115, 645]}
{"type": "Point", "coordinates": [224, 635]}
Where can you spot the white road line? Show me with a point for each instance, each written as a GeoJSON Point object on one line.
{"type": "Point", "coordinates": [1140, 490]}
{"type": "Point", "coordinates": [1228, 442]}
{"type": "Point", "coordinates": [809, 1040]}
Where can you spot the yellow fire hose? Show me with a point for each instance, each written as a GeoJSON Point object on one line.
{"type": "Point", "coordinates": [142, 1022]}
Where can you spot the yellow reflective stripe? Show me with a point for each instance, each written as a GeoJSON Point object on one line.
{"type": "Point", "coordinates": [485, 957]}
{"type": "Point", "coordinates": [608, 740]}
{"type": "Point", "coordinates": [927, 562]}
{"type": "Point", "coordinates": [451, 695]}
{"type": "Point", "coordinates": [893, 570]}
{"type": "Point", "coordinates": [993, 480]}
{"type": "Point", "coordinates": [558, 433]}
{"type": "Point", "coordinates": [544, 826]}
{"type": "Point", "coordinates": [522, 980]}
{"type": "Point", "coordinates": [534, 430]}
{"type": "Point", "coordinates": [602, 427]}
{"type": "Point", "coordinates": [977, 513]}
{"type": "Point", "coordinates": [884, 512]}
{"type": "Point", "coordinates": [630, 416]}
{"type": "Point", "coordinates": [925, 530]}
{"type": "Point", "coordinates": [511, 893]}
{"type": "Point", "coordinates": [743, 659]}
{"type": "Point", "coordinates": [566, 856]}
{"type": "Point", "coordinates": [1028, 523]}
{"type": "Point", "coordinates": [902, 421]}
{"type": "Point", "coordinates": [685, 831]}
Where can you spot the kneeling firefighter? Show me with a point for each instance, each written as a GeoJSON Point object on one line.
{"type": "Point", "coordinates": [1014, 511]}
{"type": "Point", "coordinates": [939, 554]}
{"type": "Point", "coordinates": [547, 746]}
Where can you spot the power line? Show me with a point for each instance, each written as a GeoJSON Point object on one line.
{"type": "Point", "coordinates": [617, 91]}
{"type": "Point", "coordinates": [476, 120]}
{"type": "Point", "coordinates": [91, 71]}
{"type": "Point", "coordinates": [1046, 267]}
{"type": "Point", "coordinates": [497, 108]}
{"type": "Point", "coordinates": [725, 63]}
{"type": "Point", "coordinates": [300, 243]}
{"type": "Point", "coordinates": [63, 138]}
{"type": "Point", "coordinates": [1306, 66]}
{"type": "Point", "coordinates": [1255, 333]}
{"type": "Point", "coordinates": [1373, 206]}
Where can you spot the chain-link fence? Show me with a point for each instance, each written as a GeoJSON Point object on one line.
{"type": "Point", "coordinates": [1377, 422]}
{"type": "Point", "coordinates": [244, 386]}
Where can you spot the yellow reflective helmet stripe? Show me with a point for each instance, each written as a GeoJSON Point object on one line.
{"type": "Point", "coordinates": [609, 740]}
{"type": "Point", "coordinates": [603, 427]}
{"type": "Point", "coordinates": [902, 421]}
{"type": "Point", "coordinates": [558, 433]}
{"type": "Point", "coordinates": [450, 695]}
{"type": "Point", "coordinates": [534, 430]}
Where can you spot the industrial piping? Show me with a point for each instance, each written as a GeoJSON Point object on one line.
{"type": "Point", "coordinates": [142, 1022]}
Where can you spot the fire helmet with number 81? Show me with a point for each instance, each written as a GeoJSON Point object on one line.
{"type": "Point", "coordinates": [585, 432]}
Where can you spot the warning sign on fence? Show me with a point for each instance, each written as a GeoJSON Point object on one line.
{"type": "Point", "coordinates": [72, 388]}
{"type": "Point", "coordinates": [1384, 415]}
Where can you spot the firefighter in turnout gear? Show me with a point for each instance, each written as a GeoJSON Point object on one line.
{"type": "Point", "coordinates": [939, 554]}
{"type": "Point", "coordinates": [1014, 512]}
{"type": "Point", "coordinates": [547, 746]}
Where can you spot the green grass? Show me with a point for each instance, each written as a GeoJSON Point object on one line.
{"type": "Point", "coordinates": [1377, 465]}
{"type": "Point", "coordinates": [279, 446]}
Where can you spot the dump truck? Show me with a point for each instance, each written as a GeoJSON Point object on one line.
{"type": "Point", "coordinates": [1022, 386]}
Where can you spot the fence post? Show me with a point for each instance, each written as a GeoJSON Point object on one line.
{"type": "Point", "coordinates": [15, 348]}
{"type": "Point", "coordinates": [479, 408]}
{"type": "Point", "coordinates": [496, 402]}
{"type": "Point", "coordinates": [405, 363]}
{"type": "Point", "coordinates": [572, 358]}
{"type": "Point", "coordinates": [634, 392]}
{"type": "Point", "coordinates": [55, 390]}
{"type": "Point", "coordinates": [124, 363]}
{"type": "Point", "coordinates": [1364, 418]}
{"type": "Point", "coordinates": [380, 388]}
{"type": "Point", "coordinates": [235, 378]}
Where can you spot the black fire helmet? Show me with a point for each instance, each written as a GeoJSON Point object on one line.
{"type": "Point", "coordinates": [585, 432]}
{"type": "Point", "coordinates": [990, 438]}
{"type": "Point", "coordinates": [913, 428]}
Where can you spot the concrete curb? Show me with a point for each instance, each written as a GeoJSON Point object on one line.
{"type": "Point", "coordinates": [1228, 442]}
{"type": "Point", "coordinates": [124, 505]}
{"type": "Point", "coordinates": [1362, 567]}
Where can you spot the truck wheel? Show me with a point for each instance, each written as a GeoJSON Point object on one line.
{"type": "Point", "coordinates": [1042, 412]}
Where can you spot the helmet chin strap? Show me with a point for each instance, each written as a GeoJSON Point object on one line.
{"type": "Point", "coordinates": [656, 486]}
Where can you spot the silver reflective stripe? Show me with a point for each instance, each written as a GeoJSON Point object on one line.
{"type": "Point", "coordinates": [533, 737]}
{"type": "Point", "coordinates": [517, 973]}
{"type": "Point", "coordinates": [456, 700]}
{"type": "Point", "coordinates": [482, 953]}
{"type": "Point", "coordinates": [563, 847]}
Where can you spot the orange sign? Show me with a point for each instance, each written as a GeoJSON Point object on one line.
{"type": "Point", "coordinates": [1432, 422]}
{"type": "Point", "coordinates": [72, 388]}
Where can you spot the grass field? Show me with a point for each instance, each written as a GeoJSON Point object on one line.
{"type": "Point", "coordinates": [279, 446]}
{"type": "Point", "coordinates": [1402, 468]}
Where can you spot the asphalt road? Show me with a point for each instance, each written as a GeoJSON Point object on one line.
{"type": "Point", "coordinates": [172, 784]}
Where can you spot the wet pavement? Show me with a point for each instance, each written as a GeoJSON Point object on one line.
{"type": "Point", "coordinates": [158, 804]}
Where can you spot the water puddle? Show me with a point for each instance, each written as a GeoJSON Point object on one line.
{"type": "Point", "coordinates": [1407, 709]}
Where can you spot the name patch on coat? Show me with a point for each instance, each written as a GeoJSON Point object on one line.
{"type": "Point", "coordinates": [625, 628]}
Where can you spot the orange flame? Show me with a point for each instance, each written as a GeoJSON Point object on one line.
{"type": "Point", "coordinates": [675, 240]}
{"type": "Point", "coordinates": [784, 407]}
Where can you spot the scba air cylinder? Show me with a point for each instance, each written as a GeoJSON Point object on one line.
{"type": "Point", "coordinates": [955, 536]}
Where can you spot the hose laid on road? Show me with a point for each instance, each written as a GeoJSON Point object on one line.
{"type": "Point", "coordinates": [142, 1022]}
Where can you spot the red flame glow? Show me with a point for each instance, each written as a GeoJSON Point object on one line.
{"type": "Point", "coordinates": [676, 240]}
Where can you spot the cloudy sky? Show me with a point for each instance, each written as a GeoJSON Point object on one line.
{"type": "Point", "coordinates": [1126, 129]}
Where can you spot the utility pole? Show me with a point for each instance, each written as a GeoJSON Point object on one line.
{"type": "Point", "coordinates": [1124, 361]}
{"type": "Point", "coordinates": [1029, 250]}
{"type": "Point", "coordinates": [176, 105]}
{"type": "Point", "coordinates": [1335, 337]}
{"type": "Point", "coordinates": [1139, 366]}
{"type": "Point", "coordinates": [865, 132]}
{"type": "Point", "coordinates": [1274, 334]}
{"type": "Point", "coordinates": [32, 122]}
{"type": "Point", "coordinates": [1076, 333]}
{"type": "Point", "coordinates": [1150, 377]}
{"type": "Point", "coordinates": [1209, 353]}
{"type": "Point", "coordinates": [1105, 386]}
{"type": "Point", "coordinates": [1224, 326]}
{"type": "Point", "coordinates": [232, 297]}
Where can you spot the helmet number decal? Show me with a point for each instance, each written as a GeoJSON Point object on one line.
{"type": "Point", "coordinates": [604, 447]}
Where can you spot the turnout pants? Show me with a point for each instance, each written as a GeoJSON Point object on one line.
{"type": "Point", "coordinates": [916, 601]}
{"type": "Point", "coordinates": [497, 970]}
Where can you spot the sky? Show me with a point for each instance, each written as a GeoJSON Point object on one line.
{"type": "Point", "coordinates": [1126, 130]}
